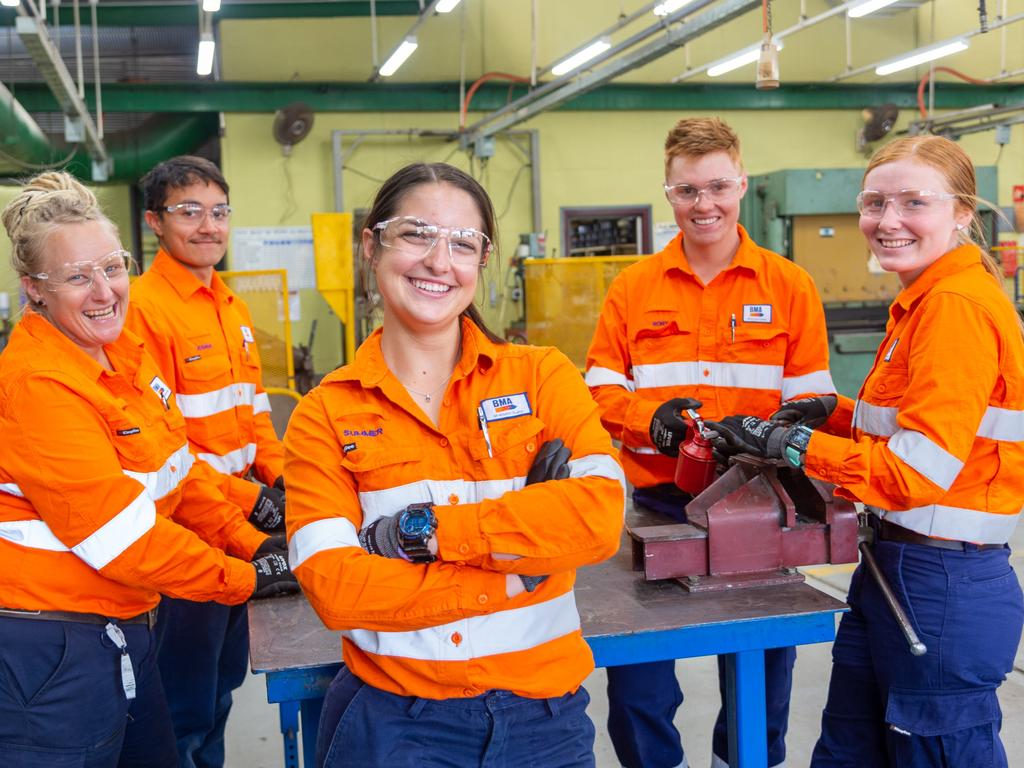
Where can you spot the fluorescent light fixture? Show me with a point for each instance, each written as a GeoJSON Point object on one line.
{"type": "Point", "coordinates": [920, 56]}
{"type": "Point", "coordinates": [746, 56]}
{"type": "Point", "coordinates": [397, 59]}
{"type": "Point", "coordinates": [581, 57]}
{"type": "Point", "coordinates": [10, 3]}
{"type": "Point", "coordinates": [211, 6]}
{"type": "Point", "coordinates": [446, 6]}
{"type": "Point", "coordinates": [664, 9]}
{"type": "Point", "coordinates": [869, 6]}
{"type": "Point", "coordinates": [204, 62]}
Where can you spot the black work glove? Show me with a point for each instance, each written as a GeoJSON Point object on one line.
{"type": "Point", "coordinates": [279, 483]}
{"type": "Point", "coordinates": [550, 463]}
{"type": "Point", "coordinates": [268, 512]}
{"type": "Point", "coordinates": [276, 542]}
{"type": "Point", "coordinates": [273, 576]}
{"type": "Point", "coordinates": [381, 538]}
{"type": "Point", "coordinates": [749, 434]}
{"type": "Point", "coordinates": [810, 411]}
{"type": "Point", "coordinates": [668, 427]}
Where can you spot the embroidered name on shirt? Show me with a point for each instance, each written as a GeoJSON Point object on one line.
{"type": "Point", "coordinates": [506, 407]}
{"type": "Point", "coordinates": [757, 313]}
{"type": "Point", "coordinates": [363, 433]}
{"type": "Point", "coordinates": [126, 432]}
{"type": "Point", "coordinates": [658, 323]}
{"type": "Point", "coordinates": [201, 347]}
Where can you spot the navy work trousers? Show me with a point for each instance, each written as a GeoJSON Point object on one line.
{"type": "Point", "coordinates": [203, 653]}
{"type": "Point", "coordinates": [364, 726]}
{"type": "Point", "coordinates": [887, 707]}
{"type": "Point", "coordinates": [643, 698]}
{"type": "Point", "coordinates": [62, 704]}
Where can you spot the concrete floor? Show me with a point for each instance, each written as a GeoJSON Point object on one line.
{"type": "Point", "coordinates": [253, 735]}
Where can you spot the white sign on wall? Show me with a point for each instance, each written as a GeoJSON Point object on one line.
{"type": "Point", "coordinates": [288, 248]}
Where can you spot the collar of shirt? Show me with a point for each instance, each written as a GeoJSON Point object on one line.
{"type": "Point", "coordinates": [183, 282]}
{"type": "Point", "coordinates": [957, 260]}
{"type": "Point", "coordinates": [369, 368]}
{"type": "Point", "coordinates": [748, 255]}
{"type": "Point", "coordinates": [125, 353]}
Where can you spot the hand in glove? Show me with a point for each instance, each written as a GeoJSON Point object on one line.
{"type": "Point", "coordinates": [668, 427]}
{"type": "Point", "coordinates": [268, 512]}
{"type": "Point", "coordinates": [273, 577]}
{"type": "Point", "coordinates": [810, 411]}
{"type": "Point", "coordinates": [279, 483]}
{"type": "Point", "coordinates": [749, 434]}
{"type": "Point", "coordinates": [550, 463]}
{"type": "Point", "coordinates": [276, 542]}
{"type": "Point", "coordinates": [381, 538]}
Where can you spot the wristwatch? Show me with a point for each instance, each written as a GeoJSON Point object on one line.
{"type": "Point", "coordinates": [416, 524]}
{"type": "Point", "coordinates": [796, 445]}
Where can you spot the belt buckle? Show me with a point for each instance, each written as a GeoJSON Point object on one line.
{"type": "Point", "coordinates": [151, 618]}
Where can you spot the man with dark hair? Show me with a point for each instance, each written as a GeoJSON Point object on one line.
{"type": "Point", "coordinates": [202, 337]}
{"type": "Point", "coordinates": [713, 322]}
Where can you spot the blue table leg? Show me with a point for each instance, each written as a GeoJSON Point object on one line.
{"type": "Point", "coordinates": [310, 709]}
{"type": "Point", "coordinates": [289, 714]}
{"type": "Point", "coordinates": [745, 700]}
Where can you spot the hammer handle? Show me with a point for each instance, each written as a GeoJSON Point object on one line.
{"type": "Point", "coordinates": [917, 648]}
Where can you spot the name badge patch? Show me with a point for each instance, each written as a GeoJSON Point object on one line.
{"type": "Point", "coordinates": [161, 389]}
{"type": "Point", "coordinates": [247, 334]}
{"type": "Point", "coordinates": [757, 313]}
{"type": "Point", "coordinates": [506, 407]}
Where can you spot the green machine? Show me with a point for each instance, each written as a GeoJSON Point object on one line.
{"type": "Point", "coordinates": [810, 216]}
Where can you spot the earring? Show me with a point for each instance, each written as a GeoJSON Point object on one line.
{"type": "Point", "coordinates": [40, 303]}
{"type": "Point", "coordinates": [959, 227]}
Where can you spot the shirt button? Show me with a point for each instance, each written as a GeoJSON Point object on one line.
{"type": "Point", "coordinates": [463, 548]}
{"type": "Point", "coordinates": [468, 692]}
{"type": "Point", "coordinates": [707, 372]}
{"type": "Point", "coordinates": [173, 469]}
{"type": "Point", "coordinates": [447, 401]}
{"type": "Point", "coordinates": [453, 499]}
{"type": "Point", "coordinates": [881, 387]}
{"type": "Point", "coordinates": [530, 447]}
{"type": "Point", "coordinates": [822, 472]}
{"type": "Point", "coordinates": [444, 442]}
{"type": "Point", "coordinates": [482, 371]}
{"type": "Point", "coordinates": [456, 638]}
{"type": "Point", "coordinates": [481, 599]}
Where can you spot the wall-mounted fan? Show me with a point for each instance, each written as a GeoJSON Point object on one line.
{"type": "Point", "coordinates": [291, 125]}
{"type": "Point", "coordinates": [878, 121]}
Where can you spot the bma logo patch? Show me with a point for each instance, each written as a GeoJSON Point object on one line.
{"type": "Point", "coordinates": [161, 389]}
{"type": "Point", "coordinates": [506, 407]}
{"type": "Point", "coordinates": [757, 313]}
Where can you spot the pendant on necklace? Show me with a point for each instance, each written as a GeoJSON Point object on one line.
{"type": "Point", "coordinates": [427, 398]}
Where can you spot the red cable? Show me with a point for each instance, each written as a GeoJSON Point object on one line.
{"type": "Point", "coordinates": [476, 85]}
{"type": "Point", "coordinates": [927, 77]}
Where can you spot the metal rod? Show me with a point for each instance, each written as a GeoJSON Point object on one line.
{"type": "Point", "coordinates": [79, 70]}
{"type": "Point", "coordinates": [373, 35]}
{"type": "Point", "coordinates": [96, 69]}
{"type": "Point", "coordinates": [917, 648]}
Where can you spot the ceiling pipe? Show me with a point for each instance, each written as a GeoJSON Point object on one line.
{"type": "Point", "coordinates": [22, 142]}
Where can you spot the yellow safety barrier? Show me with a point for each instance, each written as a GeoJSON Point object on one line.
{"type": "Point", "coordinates": [335, 280]}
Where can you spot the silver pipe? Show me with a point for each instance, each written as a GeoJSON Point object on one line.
{"type": "Point", "coordinates": [79, 70]}
{"type": "Point", "coordinates": [96, 69]}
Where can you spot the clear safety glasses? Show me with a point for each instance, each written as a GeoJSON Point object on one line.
{"type": "Point", "coordinates": [906, 202]}
{"type": "Point", "coordinates": [718, 190]}
{"type": "Point", "coordinates": [194, 213]}
{"type": "Point", "coordinates": [467, 247]}
{"type": "Point", "coordinates": [80, 275]}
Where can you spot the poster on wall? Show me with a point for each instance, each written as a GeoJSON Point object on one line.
{"type": "Point", "coordinates": [288, 248]}
{"type": "Point", "coordinates": [664, 231]}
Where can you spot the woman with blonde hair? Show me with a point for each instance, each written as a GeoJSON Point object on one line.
{"type": "Point", "coordinates": [934, 448]}
{"type": "Point", "coordinates": [93, 463]}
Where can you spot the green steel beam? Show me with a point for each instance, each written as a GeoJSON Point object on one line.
{"type": "Point", "coordinates": [128, 14]}
{"type": "Point", "coordinates": [444, 97]}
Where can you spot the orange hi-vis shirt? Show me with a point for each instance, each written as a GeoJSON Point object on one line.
{"type": "Point", "coordinates": [204, 341]}
{"type": "Point", "coordinates": [358, 448]}
{"type": "Point", "coordinates": [93, 465]}
{"type": "Point", "coordinates": [938, 427]}
{"type": "Point", "coordinates": [751, 339]}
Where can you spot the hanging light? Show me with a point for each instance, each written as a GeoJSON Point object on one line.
{"type": "Point", "coordinates": [204, 61]}
{"type": "Point", "coordinates": [737, 60]}
{"type": "Point", "coordinates": [581, 57]}
{"type": "Point", "coordinates": [869, 6]}
{"type": "Point", "coordinates": [446, 6]}
{"type": "Point", "coordinates": [921, 56]}
{"type": "Point", "coordinates": [10, 3]}
{"type": "Point", "coordinates": [211, 6]}
{"type": "Point", "coordinates": [397, 59]}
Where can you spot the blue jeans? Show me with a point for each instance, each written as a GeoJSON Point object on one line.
{"type": "Point", "coordinates": [363, 726]}
{"type": "Point", "coordinates": [643, 698]}
{"type": "Point", "coordinates": [62, 704]}
{"type": "Point", "coordinates": [203, 654]}
{"type": "Point", "coordinates": [888, 708]}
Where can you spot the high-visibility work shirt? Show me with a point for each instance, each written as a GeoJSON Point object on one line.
{"type": "Point", "coordinates": [203, 339]}
{"type": "Point", "coordinates": [938, 427]}
{"type": "Point", "coordinates": [358, 448]}
{"type": "Point", "coordinates": [753, 337]}
{"type": "Point", "coordinates": [93, 463]}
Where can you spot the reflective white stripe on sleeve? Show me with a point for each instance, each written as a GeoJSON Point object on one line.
{"type": "Point", "coordinates": [818, 382]}
{"type": "Point", "coordinates": [168, 477]}
{"type": "Point", "coordinates": [641, 449]}
{"type": "Point", "coordinates": [34, 534]}
{"type": "Point", "coordinates": [234, 463]}
{"type": "Point", "coordinates": [218, 401]}
{"type": "Point", "coordinates": [929, 459]}
{"type": "Point", "coordinates": [118, 533]}
{"type": "Point", "coordinates": [597, 465]}
{"type": "Point", "coordinates": [261, 403]}
{"type": "Point", "coordinates": [318, 536]}
{"type": "Point", "coordinates": [957, 523]}
{"type": "Point", "coordinates": [386, 502]}
{"type": "Point", "coordinates": [515, 629]}
{"type": "Point", "coordinates": [12, 489]}
{"type": "Point", "coordinates": [1002, 424]}
{"type": "Point", "coordinates": [733, 375]}
{"type": "Point", "coordinates": [877, 420]}
{"type": "Point", "coordinates": [600, 377]}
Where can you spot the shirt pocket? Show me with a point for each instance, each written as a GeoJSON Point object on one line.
{"type": "Point", "coordinates": [513, 447]}
{"type": "Point", "coordinates": [886, 385]}
{"type": "Point", "coordinates": [755, 343]}
{"type": "Point", "coordinates": [129, 439]}
{"type": "Point", "coordinates": [206, 398]}
{"type": "Point", "coordinates": [662, 336]}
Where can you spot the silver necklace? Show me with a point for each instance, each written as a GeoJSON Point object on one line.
{"type": "Point", "coordinates": [427, 395]}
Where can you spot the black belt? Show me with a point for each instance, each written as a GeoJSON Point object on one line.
{"type": "Point", "coordinates": [148, 618]}
{"type": "Point", "coordinates": [891, 532]}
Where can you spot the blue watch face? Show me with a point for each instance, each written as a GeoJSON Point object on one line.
{"type": "Point", "coordinates": [416, 523]}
